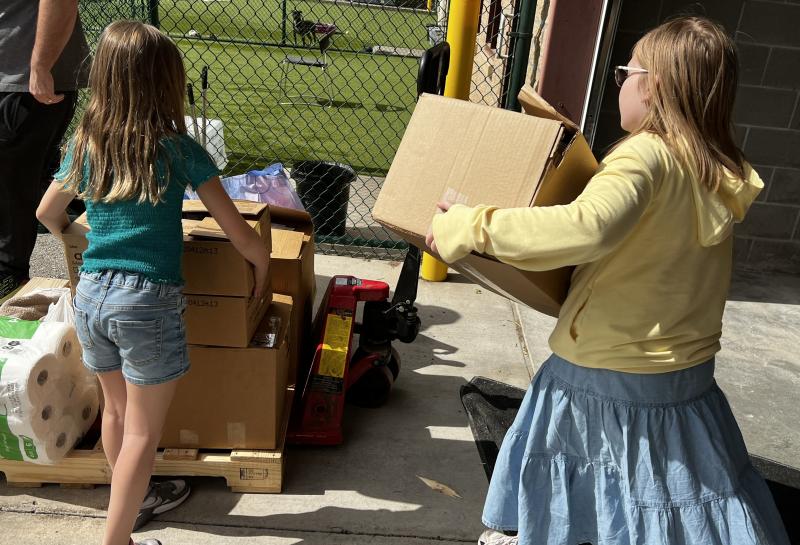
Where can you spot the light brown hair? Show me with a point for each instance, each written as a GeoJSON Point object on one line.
{"type": "Point", "coordinates": [690, 89]}
{"type": "Point", "coordinates": [136, 83]}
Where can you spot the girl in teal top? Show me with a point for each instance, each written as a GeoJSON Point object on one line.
{"type": "Point", "coordinates": [131, 161]}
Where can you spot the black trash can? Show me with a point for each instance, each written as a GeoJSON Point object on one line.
{"type": "Point", "coordinates": [324, 189]}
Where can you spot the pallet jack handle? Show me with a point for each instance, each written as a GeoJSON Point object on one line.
{"type": "Point", "coordinates": [433, 67]}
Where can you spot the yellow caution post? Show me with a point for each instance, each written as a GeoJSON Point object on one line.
{"type": "Point", "coordinates": [462, 33]}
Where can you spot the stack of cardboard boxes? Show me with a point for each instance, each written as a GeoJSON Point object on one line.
{"type": "Point", "coordinates": [243, 351]}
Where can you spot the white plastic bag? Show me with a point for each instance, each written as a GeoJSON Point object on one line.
{"type": "Point", "coordinates": [62, 310]}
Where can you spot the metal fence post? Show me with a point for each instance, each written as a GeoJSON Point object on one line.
{"type": "Point", "coordinates": [152, 13]}
{"type": "Point", "coordinates": [283, 23]}
{"type": "Point", "coordinates": [520, 52]}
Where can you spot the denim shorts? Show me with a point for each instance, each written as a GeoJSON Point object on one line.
{"type": "Point", "coordinates": [125, 321]}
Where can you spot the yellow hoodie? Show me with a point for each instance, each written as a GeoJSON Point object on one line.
{"type": "Point", "coordinates": [653, 251]}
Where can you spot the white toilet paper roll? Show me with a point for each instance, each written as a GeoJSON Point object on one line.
{"type": "Point", "coordinates": [58, 338]}
{"type": "Point", "coordinates": [26, 376]}
{"type": "Point", "coordinates": [38, 421]}
{"type": "Point", "coordinates": [57, 444]}
{"type": "Point", "coordinates": [84, 406]}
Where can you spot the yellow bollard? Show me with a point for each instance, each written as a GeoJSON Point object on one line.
{"type": "Point", "coordinates": [462, 33]}
{"type": "Point", "coordinates": [432, 269]}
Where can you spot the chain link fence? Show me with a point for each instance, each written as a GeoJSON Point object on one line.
{"type": "Point", "coordinates": [324, 87]}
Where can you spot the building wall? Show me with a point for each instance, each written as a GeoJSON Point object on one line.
{"type": "Point", "coordinates": [767, 114]}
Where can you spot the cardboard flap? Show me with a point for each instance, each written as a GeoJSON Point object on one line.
{"type": "Point", "coordinates": [533, 104]}
{"type": "Point", "coordinates": [188, 226]}
{"type": "Point", "coordinates": [286, 244]}
{"type": "Point", "coordinates": [245, 208]}
{"type": "Point", "coordinates": [291, 218]}
{"type": "Point", "coordinates": [289, 215]}
{"type": "Point", "coordinates": [209, 228]}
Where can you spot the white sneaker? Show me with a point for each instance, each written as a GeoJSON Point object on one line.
{"type": "Point", "coordinates": [493, 537]}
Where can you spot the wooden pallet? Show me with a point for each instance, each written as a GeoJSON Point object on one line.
{"type": "Point", "coordinates": [246, 471]}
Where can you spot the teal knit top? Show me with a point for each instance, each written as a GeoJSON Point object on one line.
{"type": "Point", "coordinates": [140, 237]}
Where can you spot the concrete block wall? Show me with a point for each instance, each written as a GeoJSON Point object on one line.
{"type": "Point", "coordinates": [767, 112]}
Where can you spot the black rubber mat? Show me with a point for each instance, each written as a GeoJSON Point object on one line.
{"type": "Point", "coordinates": [491, 407]}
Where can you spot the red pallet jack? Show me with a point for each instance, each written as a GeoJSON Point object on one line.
{"type": "Point", "coordinates": [363, 376]}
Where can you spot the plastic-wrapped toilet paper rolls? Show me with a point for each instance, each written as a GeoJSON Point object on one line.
{"type": "Point", "coordinates": [37, 421]}
{"type": "Point", "coordinates": [59, 339]}
{"type": "Point", "coordinates": [26, 376]}
{"type": "Point", "coordinates": [84, 407]}
{"type": "Point", "coordinates": [52, 448]}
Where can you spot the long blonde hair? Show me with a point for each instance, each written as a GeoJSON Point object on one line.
{"type": "Point", "coordinates": [691, 87]}
{"type": "Point", "coordinates": [137, 83]}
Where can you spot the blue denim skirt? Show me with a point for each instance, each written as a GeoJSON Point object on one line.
{"type": "Point", "coordinates": [609, 458]}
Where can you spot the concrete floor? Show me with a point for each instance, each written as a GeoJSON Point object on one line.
{"type": "Point", "coordinates": [368, 490]}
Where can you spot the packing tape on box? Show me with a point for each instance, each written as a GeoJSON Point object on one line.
{"type": "Point", "coordinates": [189, 438]}
{"type": "Point", "coordinates": [237, 434]}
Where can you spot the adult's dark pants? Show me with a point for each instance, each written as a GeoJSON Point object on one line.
{"type": "Point", "coordinates": [30, 139]}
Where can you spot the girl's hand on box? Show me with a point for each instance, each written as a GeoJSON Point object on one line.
{"type": "Point", "coordinates": [441, 208]}
{"type": "Point", "coordinates": [430, 242]}
{"type": "Point", "coordinates": [241, 235]}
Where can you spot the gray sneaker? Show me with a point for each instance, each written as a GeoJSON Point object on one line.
{"type": "Point", "coordinates": [148, 541]}
{"type": "Point", "coordinates": [161, 497]}
{"type": "Point", "coordinates": [492, 537]}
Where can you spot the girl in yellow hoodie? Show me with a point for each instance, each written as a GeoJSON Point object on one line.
{"type": "Point", "coordinates": [624, 436]}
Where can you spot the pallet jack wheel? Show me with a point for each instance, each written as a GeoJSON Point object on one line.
{"type": "Point", "coordinates": [373, 388]}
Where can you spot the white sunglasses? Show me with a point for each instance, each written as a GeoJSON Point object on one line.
{"type": "Point", "coordinates": [621, 73]}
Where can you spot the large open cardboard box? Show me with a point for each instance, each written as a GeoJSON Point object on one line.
{"type": "Point", "coordinates": [233, 398]}
{"type": "Point", "coordinates": [292, 273]}
{"type": "Point", "coordinates": [474, 154]}
{"type": "Point", "coordinates": [211, 264]}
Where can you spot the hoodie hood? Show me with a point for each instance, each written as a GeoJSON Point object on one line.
{"type": "Point", "coordinates": [718, 211]}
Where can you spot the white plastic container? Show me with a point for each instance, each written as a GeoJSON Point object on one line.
{"type": "Point", "coordinates": [215, 139]}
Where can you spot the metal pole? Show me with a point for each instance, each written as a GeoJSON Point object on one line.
{"type": "Point", "coordinates": [283, 24]}
{"type": "Point", "coordinates": [520, 52]}
{"type": "Point", "coordinates": [152, 13]}
{"type": "Point", "coordinates": [462, 33]}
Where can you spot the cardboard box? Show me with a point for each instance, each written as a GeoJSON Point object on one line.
{"type": "Point", "coordinates": [233, 398]}
{"type": "Point", "coordinates": [223, 321]}
{"type": "Point", "coordinates": [39, 283]}
{"type": "Point", "coordinates": [211, 264]}
{"type": "Point", "coordinates": [292, 273]}
{"type": "Point", "coordinates": [75, 243]}
{"type": "Point", "coordinates": [474, 154]}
